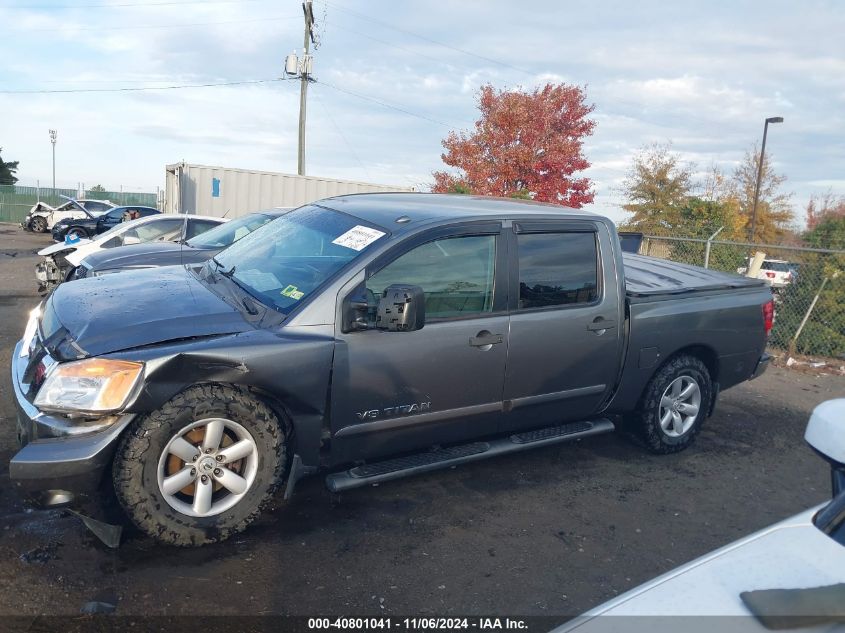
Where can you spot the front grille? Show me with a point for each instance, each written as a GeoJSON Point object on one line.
{"type": "Point", "coordinates": [80, 272]}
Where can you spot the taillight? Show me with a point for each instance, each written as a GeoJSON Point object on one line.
{"type": "Point", "coordinates": [770, 275]}
{"type": "Point", "coordinates": [768, 316]}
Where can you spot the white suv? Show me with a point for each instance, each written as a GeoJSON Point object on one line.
{"type": "Point", "coordinates": [778, 273]}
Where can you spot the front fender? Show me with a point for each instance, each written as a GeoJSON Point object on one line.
{"type": "Point", "coordinates": [290, 370]}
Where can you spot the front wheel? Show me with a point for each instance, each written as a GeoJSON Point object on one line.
{"type": "Point", "coordinates": [202, 467]}
{"type": "Point", "coordinates": [674, 405]}
{"type": "Point", "coordinates": [38, 224]}
{"type": "Point", "coordinates": [76, 232]}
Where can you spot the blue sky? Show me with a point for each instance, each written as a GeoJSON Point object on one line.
{"type": "Point", "coordinates": [703, 75]}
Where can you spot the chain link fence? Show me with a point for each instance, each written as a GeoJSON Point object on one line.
{"type": "Point", "coordinates": [808, 286]}
{"type": "Point", "coordinates": [16, 201]}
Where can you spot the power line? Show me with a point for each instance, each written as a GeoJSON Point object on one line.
{"type": "Point", "coordinates": [396, 46]}
{"type": "Point", "coordinates": [108, 27]}
{"type": "Point", "coordinates": [384, 104]}
{"type": "Point", "coordinates": [343, 136]}
{"type": "Point", "coordinates": [125, 4]}
{"type": "Point", "coordinates": [362, 16]}
{"type": "Point", "coordinates": [140, 88]}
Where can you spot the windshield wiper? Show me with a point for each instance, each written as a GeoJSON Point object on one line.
{"type": "Point", "coordinates": [225, 273]}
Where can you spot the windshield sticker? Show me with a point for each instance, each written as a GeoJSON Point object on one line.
{"type": "Point", "coordinates": [293, 293]}
{"type": "Point", "coordinates": [260, 281]}
{"type": "Point", "coordinates": [358, 238]}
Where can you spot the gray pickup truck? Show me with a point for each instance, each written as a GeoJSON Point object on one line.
{"type": "Point", "coordinates": [369, 337]}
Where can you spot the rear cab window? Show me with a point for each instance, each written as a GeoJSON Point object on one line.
{"type": "Point", "coordinates": [557, 269]}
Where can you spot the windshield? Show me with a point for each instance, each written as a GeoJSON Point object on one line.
{"type": "Point", "coordinates": [229, 232]}
{"type": "Point", "coordinates": [292, 256]}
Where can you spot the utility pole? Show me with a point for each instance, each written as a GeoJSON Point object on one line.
{"type": "Point", "coordinates": [53, 135]}
{"type": "Point", "coordinates": [304, 73]}
{"type": "Point", "coordinates": [772, 119]}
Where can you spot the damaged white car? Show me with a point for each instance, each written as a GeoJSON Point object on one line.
{"type": "Point", "coordinates": [42, 216]}
{"type": "Point", "coordinates": [61, 259]}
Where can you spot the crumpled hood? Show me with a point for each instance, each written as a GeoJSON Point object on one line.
{"type": "Point", "coordinates": [105, 314]}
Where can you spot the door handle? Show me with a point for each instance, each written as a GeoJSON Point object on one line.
{"type": "Point", "coordinates": [485, 339]}
{"type": "Point", "coordinates": [601, 324]}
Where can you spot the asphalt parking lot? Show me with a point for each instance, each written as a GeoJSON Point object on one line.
{"type": "Point", "coordinates": [549, 532]}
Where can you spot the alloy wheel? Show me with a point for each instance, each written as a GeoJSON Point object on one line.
{"type": "Point", "coordinates": [679, 406]}
{"type": "Point", "coordinates": [207, 467]}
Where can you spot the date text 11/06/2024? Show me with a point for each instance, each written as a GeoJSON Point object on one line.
{"type": "Point", "coordinates": [376, 623]}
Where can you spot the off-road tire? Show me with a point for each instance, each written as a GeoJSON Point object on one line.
{"type": "Point", "coordinates": [38, 224]}
{"type": "Point", "coordinates": [645, 422]}
{"type": "Point", "coordinates": [134, 472]}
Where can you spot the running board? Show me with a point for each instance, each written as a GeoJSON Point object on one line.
{"type": "Point", "coordinates": [445, 457]}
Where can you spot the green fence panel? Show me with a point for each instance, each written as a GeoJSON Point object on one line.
{"type": "Point", "coordinates": [16, 201]}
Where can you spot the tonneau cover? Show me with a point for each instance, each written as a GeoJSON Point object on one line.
{"type": "Point", "coordinates": [650, 276]}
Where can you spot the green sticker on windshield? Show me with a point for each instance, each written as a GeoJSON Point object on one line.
{"type": "Point", "coordinates": [292, 292]}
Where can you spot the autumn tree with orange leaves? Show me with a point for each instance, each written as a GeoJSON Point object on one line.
{"type": "Point", "coordinates": [525, 145]}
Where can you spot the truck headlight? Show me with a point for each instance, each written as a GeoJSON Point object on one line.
{"type": "Point", "coordinates": [97, 385]}
{"type": "Point", "coordinates": [30, 331]}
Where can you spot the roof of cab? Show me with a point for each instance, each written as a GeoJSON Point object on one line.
{"type": "Point", "coordinates": [385, 208]}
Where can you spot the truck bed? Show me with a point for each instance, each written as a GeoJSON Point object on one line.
{"type": "Point", "coordinates": [650, 277]}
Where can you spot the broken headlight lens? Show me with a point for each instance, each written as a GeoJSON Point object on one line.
{"type": "Point", "coordinates": [96, 385]}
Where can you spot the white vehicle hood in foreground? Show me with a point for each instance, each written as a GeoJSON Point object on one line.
{"type": "Point", "coordinates": [792, 554]}
{"type": "Point", "coordinates": [58, 247]}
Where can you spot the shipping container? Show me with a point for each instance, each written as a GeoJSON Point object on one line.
{"type": "Point", "coordinates": [227, 192]}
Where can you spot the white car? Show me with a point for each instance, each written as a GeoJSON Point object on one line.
{"type": "Point", "coordinates": [778, 273]}
{"type": "Point", "coordinates": [42, 216]}
{"type": "Point", "coordinates": [790, 575]}
{"type": "Point", "coordinates": [62, 258]}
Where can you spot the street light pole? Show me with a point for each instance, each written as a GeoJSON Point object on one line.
{"type": "Point", "coordinates": [53, 135]}
{"type": "Point", "coordinates": [772, 119]}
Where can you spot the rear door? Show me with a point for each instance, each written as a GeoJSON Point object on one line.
{"type": "Point", "coordinates": [566, 322]}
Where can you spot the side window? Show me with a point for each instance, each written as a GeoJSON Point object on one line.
{"type": "Point", "coordinates": [164, 230]}
{"type": "Point", "coordinates": [557, 269]}
{"type": "Point", "coordinates": [455, 273]}
{"type": "Point", "coordinates": [197, 227]}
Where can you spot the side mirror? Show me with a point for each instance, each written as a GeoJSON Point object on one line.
{"type": "Point", "coordinates": [826, 435]}
{"type": "Point", "coordinates": [401, 308]}
{"type": "Point", "coordinates": [131, 239]}
{"type": "Point", "coordinates": [355, 311]}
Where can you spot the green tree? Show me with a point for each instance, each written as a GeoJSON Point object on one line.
{"type": "Point", "coordinates": [7, 171]}
{"type": "Point", "coordinates": [774, 209]}
{"type": "Point", "coordinates": [829, 233]}
{"type": "Point", "coordinates": [819, 208]}
{"type": "Point", "coordinates": [97, 189]}
{"type": "Point", "coordinates": [656, 187]}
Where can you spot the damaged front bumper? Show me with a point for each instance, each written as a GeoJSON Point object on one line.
{"type": "Point", "coordinates": [48, 274]}
{"type": "Point", "coordinates": [61, 461]}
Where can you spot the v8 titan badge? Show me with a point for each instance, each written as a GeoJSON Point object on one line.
{"type": "Point", "coordinates": [358, 237]}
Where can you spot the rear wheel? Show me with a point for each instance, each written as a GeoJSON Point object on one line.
{"type": "Point", "coordinates": [38, 224]}
{"type": "Point", "coordinates": [674, 405]}
{"type": "Point", "coordinates": [202, 467]}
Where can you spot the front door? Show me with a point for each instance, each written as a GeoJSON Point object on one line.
{"type": "Point", "coordinates": [566, 323]}
{"type": "Point", "coordinates": [401, 391]}
{"type": "Point", "coordinates": [110, 219]}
